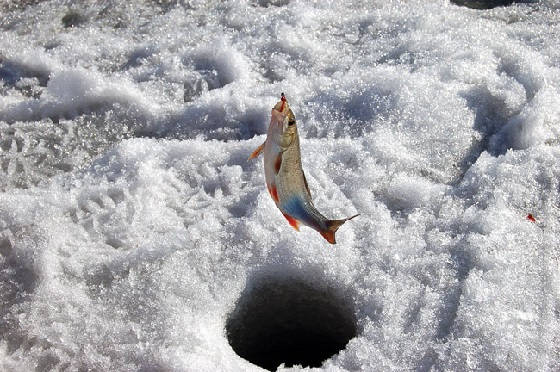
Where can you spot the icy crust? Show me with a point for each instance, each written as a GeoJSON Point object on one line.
{"type": "Point", "coordinates": [134, 234]}
{"type": "Point", "coordinates": [402, 68]}
{"type": "Point", "coordinates": [138, 261]}
{"type": "Point", "coordinates": [403, 72]}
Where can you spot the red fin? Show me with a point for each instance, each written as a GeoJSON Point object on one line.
{"type": "Point", "coordinates": [329, 236]}
{"type": "Point", "coordinates": [332, 226]}
{"type": "Point", "coordinates": [293, 222]}
{"type": "Point", "coordinates": [531, 218]}
{"type": "Point", "coordinates": [257, 152]}
{"type": "Point", "coordinates": [274, 193]}
{"type": "Point", "coordinates": [278, 163]}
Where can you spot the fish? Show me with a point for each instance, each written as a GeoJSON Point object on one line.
{"type": "Point", "coordinates": [284, 176]}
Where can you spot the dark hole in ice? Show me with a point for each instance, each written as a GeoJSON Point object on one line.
{"type": "Point", "coordinates": [487, 4]}
{"type": "Point", "coordinates": [291, 321]}
{"type": "Point", "coordinates": [277, 3]}
{"type": "Point", "coordinates": [73, 19]}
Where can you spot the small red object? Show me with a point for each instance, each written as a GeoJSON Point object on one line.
{"type": "Point", "coordinates": [283, 99]}
{"type": "Point", "coordinates": [531, 218]}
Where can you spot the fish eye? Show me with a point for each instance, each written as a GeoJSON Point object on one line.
{"type": "Point", "coordinates": [291, 122]}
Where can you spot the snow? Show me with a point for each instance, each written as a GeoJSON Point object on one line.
{"type": "Point", "coordinates": [136, 235]}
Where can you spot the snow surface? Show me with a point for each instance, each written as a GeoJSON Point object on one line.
{"type": "Point", "coordinates": [132, 224]}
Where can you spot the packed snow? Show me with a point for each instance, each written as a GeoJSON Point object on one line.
{"type": "Point", "coordinates": [136, 236]}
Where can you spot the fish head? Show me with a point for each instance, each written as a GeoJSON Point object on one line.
{"type": "Point", "coordinates": [282, 123]}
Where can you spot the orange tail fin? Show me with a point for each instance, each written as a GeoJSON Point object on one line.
{"type": "Point", "coordinates": [332, 226]}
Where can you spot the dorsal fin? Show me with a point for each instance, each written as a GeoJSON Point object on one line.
{"type": "Point", "coordinates": [306, 184]}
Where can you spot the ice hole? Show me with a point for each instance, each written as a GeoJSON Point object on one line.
{"type": "Point", "coordinates": [290, 320]}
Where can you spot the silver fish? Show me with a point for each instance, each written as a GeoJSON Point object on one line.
{"type": "Point", "coordinates": [284, 175]}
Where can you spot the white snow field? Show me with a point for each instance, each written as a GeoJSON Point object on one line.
{"type": "Point", "coordinates": [136, 236]}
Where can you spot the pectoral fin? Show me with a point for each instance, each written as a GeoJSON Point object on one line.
{"type": "Point", "coordinates": [273, 191]}
{"type": "Point", "coordinates": [278, 163]}
{"type": "Point", "coordinates": [257, 152]}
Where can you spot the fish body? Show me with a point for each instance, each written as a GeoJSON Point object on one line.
{"type": "Point", "coordinates": [284, 176]}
